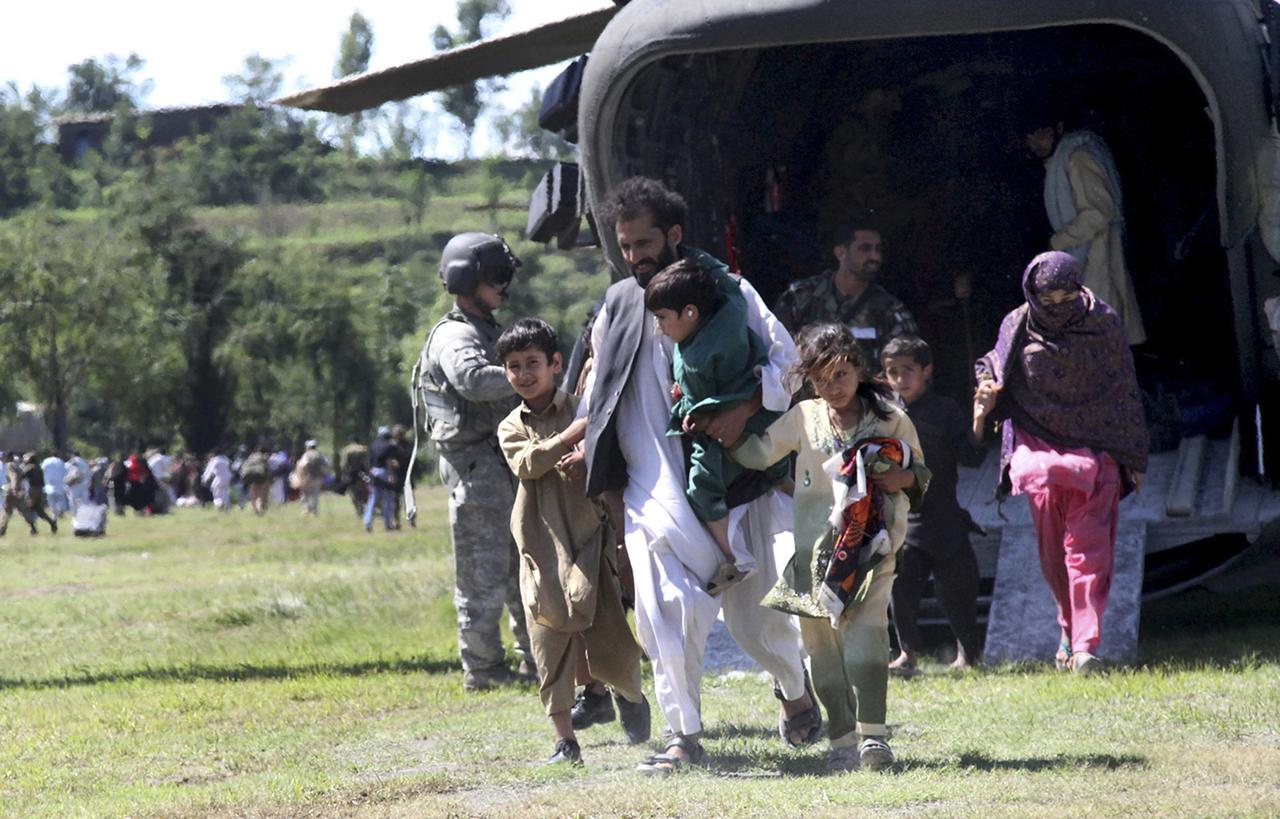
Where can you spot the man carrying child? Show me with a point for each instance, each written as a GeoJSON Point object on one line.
{"type": "Point", "coordinates": [630, 456]}
{"type": "Point", "coordinates": [568, 568]}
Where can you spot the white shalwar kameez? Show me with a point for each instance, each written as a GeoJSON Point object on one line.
{"type": "Point", "coordinates": [55, 486]}
{"type": "Point", "coordinates": [78, 491]}
{"type": "Point", "coordinates": [217, 476]}
{"type": "Point", "coordinates": [671, 552]}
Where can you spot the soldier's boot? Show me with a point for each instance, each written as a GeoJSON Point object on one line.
{"type": "Point", "coordinates": [487, 678]}
{"type": "Point", "coordinates": [591, 709]}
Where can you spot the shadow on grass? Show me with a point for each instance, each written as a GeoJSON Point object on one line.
{"type": "Point", "coordinates": [236, 673]}
{"type": "Point", "coordinates": [1199, 628]}
{"type": "Point", "coordinates": [734, 730]}
{"type": "Point", "coordinates": [785, 763]}
{"type": "Point", "coordinates": [776, 760]}
{"type": "Point", "coordinates": [972, 760]}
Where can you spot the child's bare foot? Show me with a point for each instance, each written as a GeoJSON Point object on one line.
{"type": "Point", "coordinates": [904, 665]}
{"type": "Point", "coordinates": [960, 663]}
{"type": "Point", "coordinates": [726, 575]}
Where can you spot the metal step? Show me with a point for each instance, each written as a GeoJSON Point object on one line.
{"type": "Point", "coordinates": [1023, 623]}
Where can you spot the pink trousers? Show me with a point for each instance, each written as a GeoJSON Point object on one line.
{"type": "Point", "coordinates": [1077, 536]}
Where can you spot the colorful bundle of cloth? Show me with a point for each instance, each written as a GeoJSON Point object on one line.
{"type": "Point", "coordinates": [860, 537]}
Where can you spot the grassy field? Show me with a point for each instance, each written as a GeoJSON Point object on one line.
{"type": "Point", "coordinates": [207, 664]}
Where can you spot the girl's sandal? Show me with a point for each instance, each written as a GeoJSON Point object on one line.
{"type": "Point", "coordinates": [1062, 660]}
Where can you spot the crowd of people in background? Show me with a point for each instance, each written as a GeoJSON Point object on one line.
{"type": "Point", "coordinates": [155, 481]}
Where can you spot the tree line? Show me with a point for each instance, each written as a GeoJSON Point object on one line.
{"type": "Point", "coordinates": [135, 317]}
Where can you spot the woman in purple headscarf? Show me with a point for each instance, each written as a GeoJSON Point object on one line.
{"type": "Point", "coordinates": [1074, 437]}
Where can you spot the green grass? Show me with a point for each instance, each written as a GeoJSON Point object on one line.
{"type": "Point", "coordinates": [207, 664]}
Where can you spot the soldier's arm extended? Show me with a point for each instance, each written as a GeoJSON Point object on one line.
{"type": "Point", "coordinates": [467, 368]}
{"type": "Point", "coordinates": [531, 458]}
{"type": "Point", "coordinates": [1091, 194]}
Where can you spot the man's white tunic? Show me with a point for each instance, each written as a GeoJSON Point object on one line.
{"type": "Point", "coordinates": [217, 476]}
{"type": "Point", "coordinates": [671, 552]}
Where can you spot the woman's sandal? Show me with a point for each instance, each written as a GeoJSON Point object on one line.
{"type": "Point", "coordinates": [807, 724]}
{"type": "Point", "coordinates": [667, 763]}
{"type": "Point", "coordinates": [1062, 660]}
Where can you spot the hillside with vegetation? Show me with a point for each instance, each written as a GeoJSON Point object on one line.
{"type": "Point", "coordinates": [257, 281]}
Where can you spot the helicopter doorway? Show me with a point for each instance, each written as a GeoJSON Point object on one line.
{"type": "Point", "coordinates": [927, 135]}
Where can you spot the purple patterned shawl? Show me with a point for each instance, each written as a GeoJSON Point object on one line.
{"type": "Point", "coordinates": [1066, 370]}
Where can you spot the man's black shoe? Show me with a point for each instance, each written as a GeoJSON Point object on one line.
{"type": "Point", "coordinates": [591, 709]}
{"type": "Point", "coordinates": [637, 723]}
{"type": "Point", "coordinates": [567, 753]}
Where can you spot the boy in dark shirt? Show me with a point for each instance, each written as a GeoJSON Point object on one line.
{"type": "Point", "coordinates": [938, 532]}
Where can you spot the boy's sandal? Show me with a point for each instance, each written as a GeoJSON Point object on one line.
{"type": "Point", "coordinates": [726, 575]}
{"type": "Point", "coordinates": [808, 722]}
{"type": "Point", "coordinates": [1062, 660]}
{"type": "Point", "coordinates": [667, 763]}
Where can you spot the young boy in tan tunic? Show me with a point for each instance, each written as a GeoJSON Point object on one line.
{"type": "Point", "coordinates": [568, 569]}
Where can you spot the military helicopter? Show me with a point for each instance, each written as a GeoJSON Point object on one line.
{"type": "Point", "coordinates": [772, 117]}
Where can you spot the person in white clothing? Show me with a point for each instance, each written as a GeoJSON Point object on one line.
{"type": "Point", "coordinates": [217, 476]}
{"type": "Point", "coordinates": [279, 465]}
{"type": "Point", "coordinates": [78, 475]}
{"type": "Point", "coordinates": [1085, 205]}
{"type": "Point", "coordinates": [55, 485]}
{"type": "Point", "coordinates": [643, 473]}
{"type": "Point", "coordinates": [161, 464]}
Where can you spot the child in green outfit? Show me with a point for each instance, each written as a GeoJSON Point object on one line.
{"type": "Point", "coordinates": [848, 648]}
{"type": "Point", "coordinates": [716, 365]}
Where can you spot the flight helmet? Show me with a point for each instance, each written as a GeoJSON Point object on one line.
{"type": "Point", "coordinates": [472, 258]}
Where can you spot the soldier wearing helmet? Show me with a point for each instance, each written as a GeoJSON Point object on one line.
{"type": "Point", "coordinates": [464, 392]}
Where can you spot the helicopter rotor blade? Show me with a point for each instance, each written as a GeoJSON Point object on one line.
{"type": "Point", "coordinates": [533, 48]}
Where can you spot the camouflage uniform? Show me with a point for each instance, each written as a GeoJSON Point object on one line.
{"type": "Point", "coordinates": [466, 394]}
{"type": "Point", "coordinates": [15, 499]}
{"type": "Point", "coordinates": [875, 316]}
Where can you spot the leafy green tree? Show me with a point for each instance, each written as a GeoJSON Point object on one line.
{"type": "Point", "coordinates": [259, 82]}
{"type": "Point", "coordinates": [19, 150]}
{"type": "Point", "coordinates": [355, 48]}
{"type": "Point", "coordinates": [354, 51]}
{"type": "Point", "coordinates": [102, 86]}
{"type": "Point", "coordinates": [465, 102]}
{"type": "Point", "coordinates": [250, 158]}
{"type": "Point", "coordinates": [317, 352]}
{"type": "Point", "coordinates": [520, 131]}
{"type": "Point", "coordinates": [198, 301]}
{"type": "Point", "coordinates": [77, 308]}
{"type": "Point", "coordinates": [402, 135]}
{"type": "Point", "coordinates": [492, 186]}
